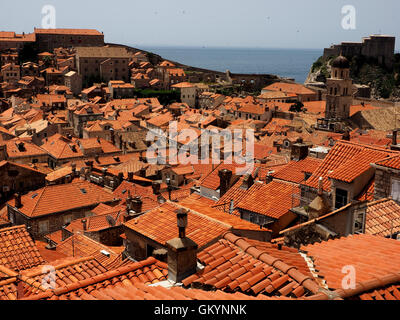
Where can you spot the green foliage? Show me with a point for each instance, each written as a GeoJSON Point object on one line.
{"type": "Point", "coordinates": [318, 64]}
{"type": "Point", "coordinates": [297, 107]}
{"type": "Point", "coordinates": [164, 96]}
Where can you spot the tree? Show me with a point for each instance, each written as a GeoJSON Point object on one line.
{"type": "Point", "coordinates": [297, 107]}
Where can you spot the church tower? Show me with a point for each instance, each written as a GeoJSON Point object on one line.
{"type": "Point", "coordinates": [339, 90]}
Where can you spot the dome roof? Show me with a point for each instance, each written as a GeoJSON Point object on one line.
{"type": "Point", "coordinates": [341, 62]}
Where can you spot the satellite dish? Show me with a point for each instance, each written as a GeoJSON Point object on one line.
{"type": "Point", "coordinates": [111, 221]}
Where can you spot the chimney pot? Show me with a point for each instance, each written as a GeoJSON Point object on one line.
{"type": "Point", "coordinates": [18, 202]}
{"type": "Point", "coordinates": [84, 224]}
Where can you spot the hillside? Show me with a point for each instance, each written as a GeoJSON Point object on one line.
{"type": "Point", "coordinates": [385, 84]}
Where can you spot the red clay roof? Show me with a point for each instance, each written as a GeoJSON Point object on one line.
{"type": "Point", "coordinates": [159, 225]}
{"type": "Point", "coordinates": [235, 264]}
{"type": "Point", "coordinates": [383, 218]}
{"type": "Point", "coordinates": [294, 171]}
{"type": "Point", "coordinates": [289, 88]}
{"type": "Point", "coordinates": [17, 249]}
{"type": "Point", "coordinates": [47, 200]}
{"type": "Point", "coordinates": [371, 256]}
{"type": "Point", "coordinates": [146, 272]}
{"type": "Point", "coordinates": [69, 271]}
{"type": "Point", "coordinates": [391, 162]}
{"type": "Point", "coordinates": [345, 162]}
{"type": "Point", "coordinates": [201, 208]}
{"type": "Point", "coordinates": [273, 199]}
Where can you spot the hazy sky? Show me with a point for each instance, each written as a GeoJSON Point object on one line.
{"type": "Point", "coordinates": [221, 23]}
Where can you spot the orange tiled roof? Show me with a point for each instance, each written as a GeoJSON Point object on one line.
{"type": "Point", "coordinates": [201, 208]}
{"type": "Point", "coordinates": [346, 161]}
{"type": "Point", "coordinates": [382, 218]}
{"type": "Point", "coordinates": [145, 272]}
{"type": "Point", "coordinates": [99, 221]}
{"type": "Point", "coordinates": [391, 162]}
{"type": "Point", "coordinates": [17, 249]}
{"type": "Point", "coordinates": [254, 268]}
{"type": "Point", "coordinates": [294, 171]}
{"type": "Point", "coordinates": [235, 193]}
{"type": "Point", "coordinates": [274, 199]}
{"type": "Point", "coordinates": [368, 193]}
{"type": "Point", "coordinates": [28, 149]}
{"type": "Point", "coordinates": [371, 256]}
{"type": "Point", "coordinates": [83, 32]}
{"type": "Point", "coordinates": [289, 88]}
{"type": "Point", "coordinates": [47, 200]}
{"type": "Point", "coordinates": [69, 271]}
{"type": "Point", "coordinates": [160, 225]}
{"type": "Point", "coordinates": [80, 246]}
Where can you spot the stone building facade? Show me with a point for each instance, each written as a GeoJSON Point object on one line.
{"type": "Point", "coordinates": [380, 47]}
{"type": "Point", "coordinates": [49, 39]}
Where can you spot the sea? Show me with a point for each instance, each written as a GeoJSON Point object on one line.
{"type": "Point", "coordinates": [288, 63]}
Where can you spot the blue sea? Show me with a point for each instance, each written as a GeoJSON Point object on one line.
{"type": "Point", "coordinates": [290, 63]}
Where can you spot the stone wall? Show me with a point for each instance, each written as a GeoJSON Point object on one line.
{"type": "Point", "coordinates": [383, 181]}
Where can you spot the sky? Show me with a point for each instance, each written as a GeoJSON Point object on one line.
{"type": "Point", "coordinates": [313, 24]}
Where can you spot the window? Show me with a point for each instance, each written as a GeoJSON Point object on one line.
{"type": "Point", "coordinates": [395, 194]}
{"type": "Point", "coordinates": [43, 227]}
{"type": "Point", "coordinates": [68, 219]}
{"type": "Point", "coordinates": [341, 198]}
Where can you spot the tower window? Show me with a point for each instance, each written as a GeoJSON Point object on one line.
{"type": "Point", "coordinates": [341, 198]}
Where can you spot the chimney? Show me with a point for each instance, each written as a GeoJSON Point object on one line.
{"type": "Point", "coordinates": [73, 169]}
{"type": "Point", "coordinates": [156, 188]}
{"type": "Point", "coordinates": [225, 176]}
{"type": "Point", "coordinates": [320, 186]}
{"type": "Point", "coordinates": [84, 224]}
{"type": "Point", "coordinates": [394, 138]}
{"type": "Point", "coordinates": [130, 176]}
{"type": "Point", "coordinates": [299, 151]}
{"type": "Point", "coordinates": [18, 202]}
{"type": "Point", "coordinates": [137, 204]}
{"type": "Point", "coordinates": [182, 252]}
{"type": "Point", "coordinates": [346, 136]}
{"type": "Point", "coordinates": [248, 181]}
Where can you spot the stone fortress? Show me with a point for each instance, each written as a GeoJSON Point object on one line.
{"type": "Point", "coordinates": [380, 47]}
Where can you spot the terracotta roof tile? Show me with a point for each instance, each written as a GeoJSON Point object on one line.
{"type": "Point", "coordinates": [382, 218]}
{"type": "Point", "coordinates": [295, 170]}
{"type": "Point", "coordinates": [371, 256]}
{"type": "Point", "coordinates": [251, 268]}
{"type": "Point", "coordinates": [77, 194]}
{"type": "Point", "coordinates": [346, 161]}
{"type": "Point", "coordinates": [160, 225]}
{"type": "Point", "coordinates": [273, 199]}
{"type": "Point", "coordinates": [17, 249]}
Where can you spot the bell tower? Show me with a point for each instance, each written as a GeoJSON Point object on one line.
{"type": "Point", "coordinates": [339, 90]}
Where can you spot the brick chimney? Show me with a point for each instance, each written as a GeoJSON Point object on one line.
{"type": "Point", "coordinates": [394, 138]}
{"type": "Point", "coordinates": [225, 176]}
{"type": "Point", "coordinates": [18, 202]}
{"type": "Point", "coordinates": [182, 252]}
{"type": "Point", "coordinates": [130, 176]}
{"type": "Point", "coordinates": [137, 204]}
{"type": "Point", "coordinates": [248, 181]}
{"type": "Point", "coordinates": [320, 186]}
{"type": "Point", "coordinates": [299, 151]}
{"type": "Point", "coordinates": [156, 188]}
{"type": "Point", "coordinates": [73, 169]}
